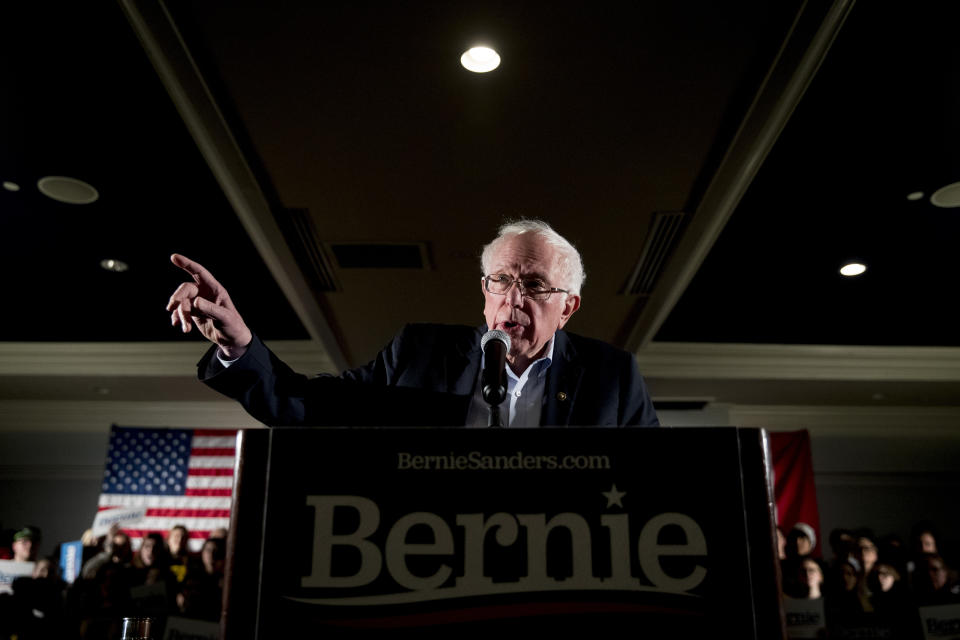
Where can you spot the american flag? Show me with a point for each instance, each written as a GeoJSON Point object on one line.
{"type": "Point", "coordinates": [181, 476]}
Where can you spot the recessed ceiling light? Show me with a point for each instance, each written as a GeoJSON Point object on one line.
{"type": "Point", "coordinates": [117, 266]}
{"type": "Point", "coordinates": [916, 195]}
{"type": "Point", "coordinates": [852, 269]}
{"type": "Point", "coordinates": [69, 190]}
{"type": "Point", "coordinates": [947, 197]}
{"type": "Point", "coordinates": [480, 59]}
{"type": "Point", "coordinates": [11, 186]}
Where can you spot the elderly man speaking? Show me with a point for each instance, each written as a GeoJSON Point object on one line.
{"type": "Point", "coordinates": [432, 374]}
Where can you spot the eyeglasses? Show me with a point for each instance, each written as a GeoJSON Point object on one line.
{"type": "Point", "coordinates": [533, 288]}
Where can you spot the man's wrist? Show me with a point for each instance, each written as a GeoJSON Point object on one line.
{"type": "Point", "coordinates": [235, 352]}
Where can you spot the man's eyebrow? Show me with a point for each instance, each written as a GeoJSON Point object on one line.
{"type": "Point", "coordinates": [535, 274]}
{"type": "Point", "coordinates": [522, 276]}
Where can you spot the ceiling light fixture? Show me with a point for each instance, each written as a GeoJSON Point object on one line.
{"type": "Point", "coordinates": [946, 197]}
{"type": "Point", "coordinates": [480, 59]}
{"type": "Point", "coordinates": [11, 186]}
{"type": "Point", "coordinates": [916, 195]}
{"type": "Point", "coordinates": [69, 190]}
{"type": "Point", "coordinates": [852, 269]}
{"type": "Point", "coordinates": [117, 266]}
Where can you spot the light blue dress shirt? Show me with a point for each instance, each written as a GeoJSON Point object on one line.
{"type": "Point", "coordinates": [524, 402]}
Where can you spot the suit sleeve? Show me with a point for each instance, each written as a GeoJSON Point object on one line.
{"type": "Point", "coordinates": [271, 391]}
{"type": "Point", "coordinates": [276, 395]}
{"type": "Point", "coordinates": [638, 410]}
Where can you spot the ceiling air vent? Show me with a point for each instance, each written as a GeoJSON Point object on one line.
{"type": "Point", "coordinates": [301, 236]}
{"type": "Point", "coordinates": [356, 255]}
{"type": "Point", "coordinates": [659, 244]}
{"type": "Point", "coordinates": [681, 405]}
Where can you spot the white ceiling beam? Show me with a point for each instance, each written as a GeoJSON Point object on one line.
{"type": "Point", "coordinates": [171, 58]}
{"type": "Point", "coordinates": [794, 67]}
{"type": "Point", "coordinates": [148, 359]}
{"type": "Point", "coordinates": [712, 361]}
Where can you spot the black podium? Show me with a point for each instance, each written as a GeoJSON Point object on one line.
{"type": "Point", "coordinates": [667, 533]}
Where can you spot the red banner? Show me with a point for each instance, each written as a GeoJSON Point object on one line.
{"type": "Point", "coordinates": [794, 489]}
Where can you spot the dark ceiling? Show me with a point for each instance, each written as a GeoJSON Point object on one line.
{"type": "Point", "coordinates": [358, 118]}
{"type": "Point", "coordinates": [881, 120]}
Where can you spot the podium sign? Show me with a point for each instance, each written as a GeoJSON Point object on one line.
{"type": "Point", "coordinates": [362, 531]}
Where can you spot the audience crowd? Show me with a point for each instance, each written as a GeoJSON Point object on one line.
{"type": "Point", "coordinates": [158, 580]}
{"type": "Point", "coordinates": [869, 582]}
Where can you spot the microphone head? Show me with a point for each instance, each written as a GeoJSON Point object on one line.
{"type": "Point", "coordinates": [495, 334]}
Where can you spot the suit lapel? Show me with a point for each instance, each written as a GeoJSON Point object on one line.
{"type": "Point", "coordinates": [463, 368]}
{"type": "Point", "coordinates": [563, 381]}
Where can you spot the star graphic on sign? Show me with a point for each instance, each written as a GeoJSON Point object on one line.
{"type": "Point", "coordinates": [614, 497]}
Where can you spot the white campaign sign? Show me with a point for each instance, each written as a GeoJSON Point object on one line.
{"type": "Point", "coordinates": [805, 618]}
{"type": "Point", "coordinates": [187, 629]}
{"type": "Point", "coordinates": [10, 570]}
{"type": "Point", "coordinates": [123, 517]}
{"type": "Point", "coordinates": [941, 622]}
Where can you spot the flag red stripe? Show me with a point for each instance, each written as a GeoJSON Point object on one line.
{"type": "Point", "coordinates": [208, 492]}
{"type": "Point", "coordinates": [189, 513]}
{"type": "Point", "coordinates": [139, 533]}
{"type": "Point", "coordinates": [213, 451]}
{"type": "Point", "coordinates": [198, 471]}
{"type": "Point", "coordinates": [214, 432]}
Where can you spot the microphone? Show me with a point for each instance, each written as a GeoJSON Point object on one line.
{"type": "Point", "coordinates": [493, 383]}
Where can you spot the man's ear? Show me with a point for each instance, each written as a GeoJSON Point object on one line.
{"type": "Point", "coordinates": [570, 305]}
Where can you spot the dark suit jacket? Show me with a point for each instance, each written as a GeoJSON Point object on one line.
{"type": "Point", "coordinates": [426, 376]}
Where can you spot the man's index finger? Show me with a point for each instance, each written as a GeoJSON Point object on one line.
{"type": "Point", "coordinates": [196, 270]}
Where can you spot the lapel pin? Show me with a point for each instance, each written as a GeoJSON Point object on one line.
{"type": "Point", "coordinates": [561, 396]}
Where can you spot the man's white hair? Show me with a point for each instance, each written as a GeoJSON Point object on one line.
{"type": "Point", "coordinates": [569, 262]}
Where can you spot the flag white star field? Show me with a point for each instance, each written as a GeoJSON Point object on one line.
{"type": "Point", "coordinates": [181, 476]}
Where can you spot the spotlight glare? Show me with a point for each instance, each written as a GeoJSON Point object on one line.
{"type": "Point", "coordinates": [117, 266]}
{"type": "Point", "coordinates": [480, 59]}
{"type": "Point", "coordinates": [947, 197]}
{"type": "Point", "coordinates": [852, 269]}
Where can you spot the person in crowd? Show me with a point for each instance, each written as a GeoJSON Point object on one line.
{"type": "Point", "coordinates": [847, 596]}
{"type": "Point", "coordinates": [800, 541]}
{"type": "Point", "coordinates": [26, 543]}
{"type": "Point", "coordinates": [116, 550]}
{"type": "Point", "coordinates": [803, 578]}
{"type": "Point", "coordinates": [885, 579]}
{"type": "Point", "coordinates": [177, 540]}
{"type": "Point", "coordinates": [842, 544]}
{"type": "Point", "coordinates": [90, 545]}
{"type": "Point", "coordinates": [866, 550]}
{"type": "Point", "coordinates": [37, 603]}
{"type": "Point", "coordinates": [893, 551]}
{"type": "Point", "coordinates": [102, 596]}
{"type": "Point", "coordinates": [924, 538]}
{"type": "Point", "coordinates": [202, 593]}
{"type": "Point", "coordinates": [888, 591]}
{"type": "Point", "coordinates": [934, 582]}
{"type": "Point", "coordinates": [814, 577]}
{"type": "Point", "coordinates": [152, 562]}
{"type": "Point", "coordinates": [923, 541]}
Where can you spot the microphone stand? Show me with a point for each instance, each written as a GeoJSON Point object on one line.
{"type": "Point", "coordinates": [493, 420]}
